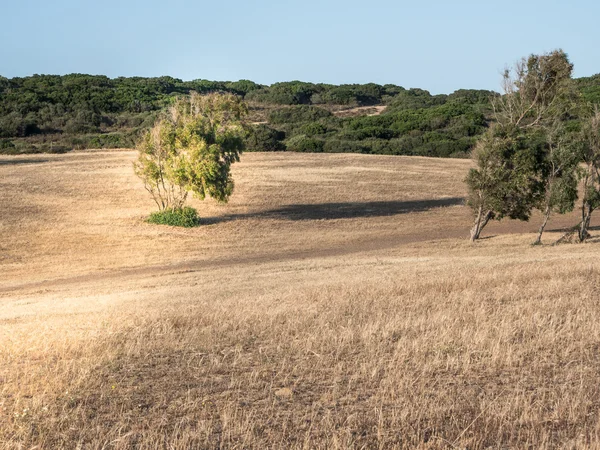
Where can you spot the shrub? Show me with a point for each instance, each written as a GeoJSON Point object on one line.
{"type": "Point", "coordinates": [287, 93]}
{"type": "Point", "coordinates": [20, 147]}
{"type": "Point", "coordinates": [262, 138]}
{"type": "Point", "coordinates": [473, 96]}
{"type": "Point", "coordinates": [303, 143]}
{"type": "Point", "coordinates": [367, 132]}
{"type": "Point", "coordinates": [343, 146]}
{"type": "Point", "coordinates": [242, 87]}
{"type": "Point", "coordinates": [313, 129]}
{"type": "Point", "coordinates": [353, 94]}
{"type": "Point", "coordinates": [415, 99]}
{"type": "Point", "coordinates": [180, 217]}
{"type": "Point", "coordinates": [78, 143]}
{"type": "Point", "coordinates": [111, 140]}
{"type": "Point", "coordinates": [15, 125]}
{"type": "Point", "coordinates": [5, 144]}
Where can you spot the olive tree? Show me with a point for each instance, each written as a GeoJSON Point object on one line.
{"type": "Point", "coordinates": [191, 149]}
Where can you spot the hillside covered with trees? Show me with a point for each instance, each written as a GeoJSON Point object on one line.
{"type": "Point", "coordinates": [50, 113]}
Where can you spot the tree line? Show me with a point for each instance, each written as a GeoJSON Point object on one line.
{"type": "Point", "coordinates": [87, 111]}
{"type": "Point", "coordinates": [59, 113]}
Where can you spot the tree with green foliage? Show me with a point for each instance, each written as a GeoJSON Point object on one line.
{"type": "Point", "coordinates": [242, 87]}
{"type": "Point", "coordinates": [263, 138]}
{"type": "Point", "coordinates": [413, 98]}
{"type": "Point", "coordinates": [506, 182]}
{"type": "Point", "coordinates": [534, 90]}
{"type": "Point", "coordinates": [589, 88]}
{"type": "Point", "coordinates": [191, 149]}
{"type": "Point", "coordinates": [519, 166]}
{"type": "Point", "coordinates": [306, 144]}
{"type": "Point", "coordinates": [560, 173]}
{"type": "Point", "coordinates": [591, 173]}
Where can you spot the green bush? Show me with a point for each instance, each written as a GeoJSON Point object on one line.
{"type": "Point", "coordinates": [262, 138]}
{"type": "Point", "coordinates": [242, 87]}
{"type": "Point", "coordinates": [415, 99]}
{"type": "Point", "coordinates": [473, 96]}
{"type": "Point", "coordinates": [313, 129]}
{"type": "Point", "coordinates": [367, 132]}
{"type": "Point", "coordinates": [111, 140]}
{"type": "Point", "coordinates": [590, 88]}
{"type": "Point", "coordinates": [5, 144]}
{"type": "Point", "coordinates": [19, 148]}
{"type": "Point", "coordinates": [286, 93]}
{"type": "Point", "coordinates": [78, 143]}
{"type": "Point", "coordinates": [343, 146]}
{"type": "Point", "coordinates": [182, 217]}
{"type": "Point", "coordinates": [303, 143]}
{"type": "Point", "coordinates": [354, 94]}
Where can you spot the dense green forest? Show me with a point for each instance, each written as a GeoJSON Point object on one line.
{"type": "Point", "coordinates": [50, 113]}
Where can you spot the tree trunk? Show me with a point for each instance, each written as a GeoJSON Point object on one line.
{"type": "Point", "coordinates": [586, 215]}
{"type": "Point", "coordinates": [538, 240]}
{"type": "Point", "coordinates": [481, 221]}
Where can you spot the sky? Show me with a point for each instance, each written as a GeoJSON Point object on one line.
{"type": "Point", "coordinates": [436, 45]}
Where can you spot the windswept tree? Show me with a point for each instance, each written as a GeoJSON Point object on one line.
{"type": "Point", "coordinates": [191, 149]}
{"type": "Point", "coordinates": [507, 181]}
{"type": "Point", "coordinates": [533, 90]}
{"type": "Point", "coordinates": [560, 173]}
{"type": "Point", "coordinates": [512, 157]}
{"type": "Point", "coordinates": [591, 173]}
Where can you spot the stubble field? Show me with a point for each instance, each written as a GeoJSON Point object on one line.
{"type": "Point", "coordinates": [335, 302]}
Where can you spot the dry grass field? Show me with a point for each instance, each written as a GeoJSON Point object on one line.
{"type": "Point", "coordinates": [334, 303]}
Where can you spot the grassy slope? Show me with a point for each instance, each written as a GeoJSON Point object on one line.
{"type": "Point", "coordinates": [334, 303]}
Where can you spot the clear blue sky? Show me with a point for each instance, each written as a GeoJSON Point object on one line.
{"type": "Point", "coordinates": [436, 45]}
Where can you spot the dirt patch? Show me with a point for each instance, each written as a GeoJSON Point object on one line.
{"type": "Point", "coordinates": [361, 111]}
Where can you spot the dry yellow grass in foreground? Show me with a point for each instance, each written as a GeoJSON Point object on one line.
{"type": "Point", "coordinates": [334, 303]}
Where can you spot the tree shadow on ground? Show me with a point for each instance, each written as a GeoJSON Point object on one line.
{"type": "Point", "coordinates": [329, 211]}
{"type": "Point", "coordinates": [483, 238]}
{"type": "Point", "coordinates": [567, 229]}
{"type": "Point", "coordinates": [14, 162]}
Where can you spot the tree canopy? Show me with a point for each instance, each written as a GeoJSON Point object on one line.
{"type": "Point", "coordinates": [531, 155]}
{"type": "Point", "coordinates": [191, 149]}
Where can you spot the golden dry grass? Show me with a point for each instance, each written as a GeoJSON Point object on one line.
{"type": "Point", "coordinates": [334, 303]}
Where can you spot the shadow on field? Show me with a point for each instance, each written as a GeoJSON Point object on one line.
{"type": "Point", "coordinates": [323, 211]}
{"type": "Point", "coordinates": [575, 226]}
{"type": "Point", "coordinates": [14, 162]}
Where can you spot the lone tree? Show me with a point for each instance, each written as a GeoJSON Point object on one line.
{"type": "Point", "coordinates": [191, 149]}
{"type": "Point", "coordinates": [512, 157]}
